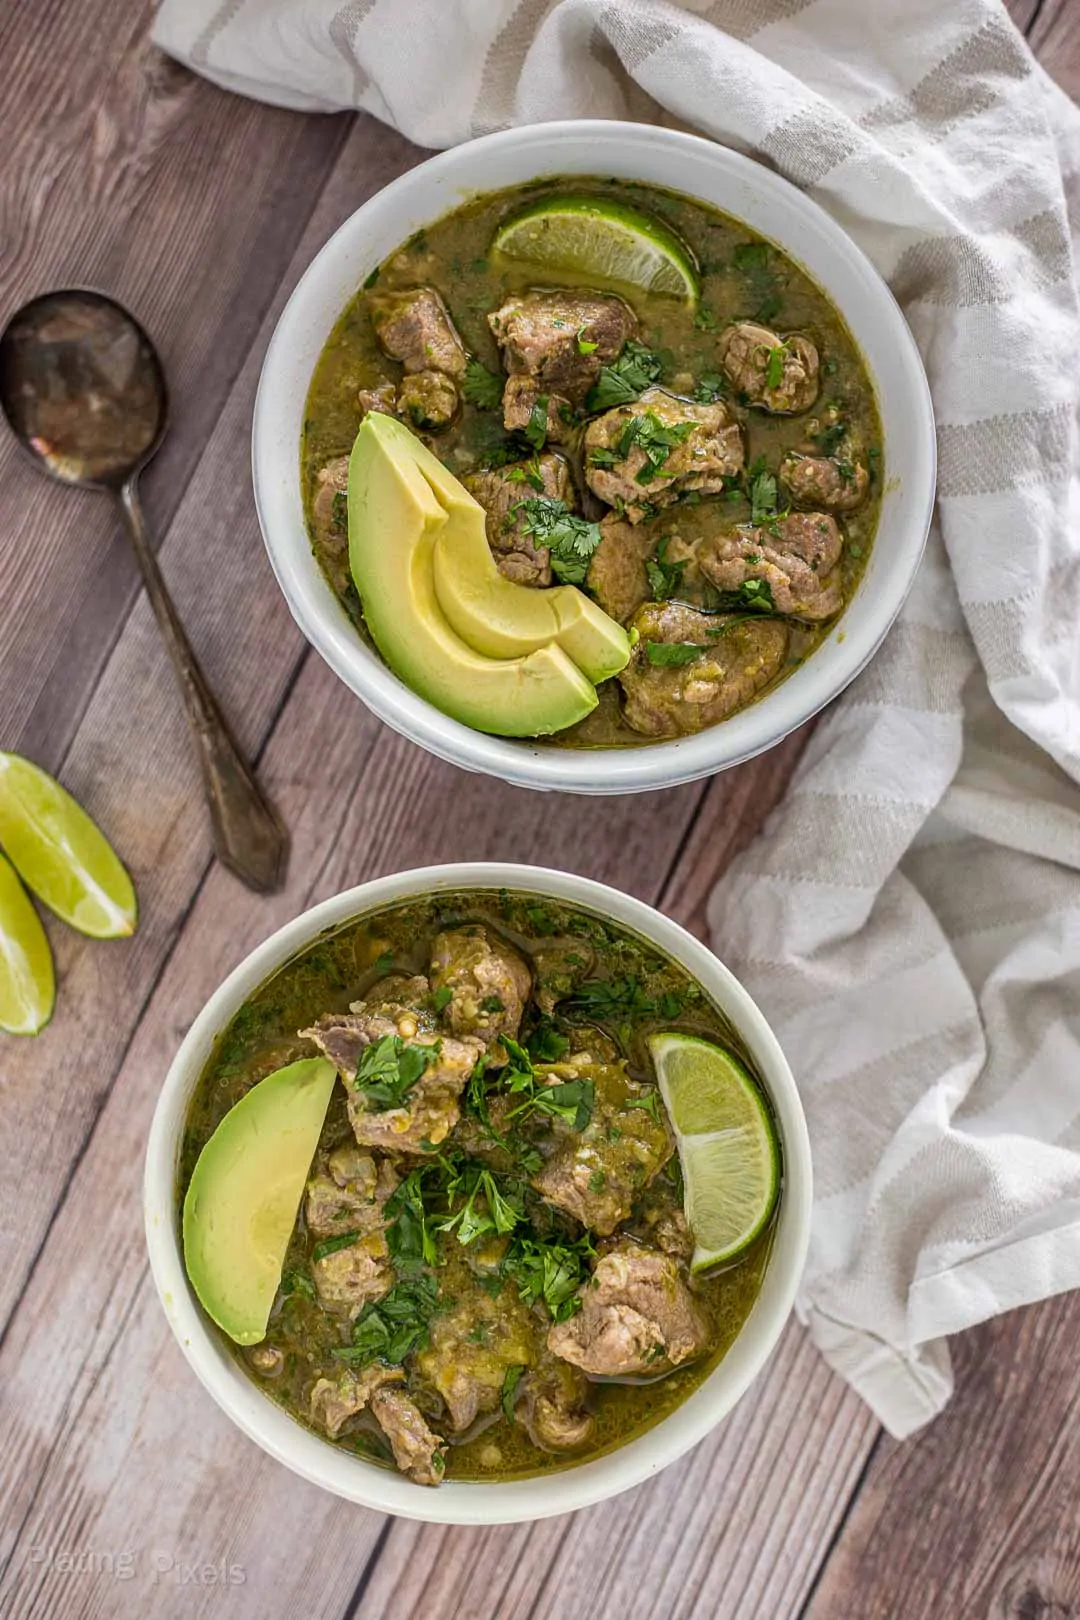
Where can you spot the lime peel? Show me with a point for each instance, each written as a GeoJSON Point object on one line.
{"type": "Point", "coordinates": [27, 976]}
{"type": "Point", "coordinates": [61, 854]}
{"type": "Point", "coordinates": [727, 1145]}
{"type": "Point", "coordinates": [604, 240]}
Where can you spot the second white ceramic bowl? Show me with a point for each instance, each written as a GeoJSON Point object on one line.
{"type": "Point", "coordinates": [701, 169]}
{"type": "Point", "coordinates": [473, 1503]}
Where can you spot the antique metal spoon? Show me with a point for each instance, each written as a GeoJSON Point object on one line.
{"type": "Point", "coordinates": [84, 392]}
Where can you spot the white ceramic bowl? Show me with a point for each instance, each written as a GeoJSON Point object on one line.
{"type": "Point", "coordinates": [461, 1503]}
{"type": "Point", "coordinates": [701, 169]}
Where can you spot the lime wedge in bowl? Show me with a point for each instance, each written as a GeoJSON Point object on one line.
{"type": "Point", "coordinates": [61, 854]}
{"type": "Point", "coordinates": [27, 979]}
{"type": "Point", "coordinates": [727, 1145]}
{"type": "Point", "coordinates": [602, 240]}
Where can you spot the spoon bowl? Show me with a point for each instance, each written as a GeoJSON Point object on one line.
{"type": "Point", "coordinates": [82, 387]}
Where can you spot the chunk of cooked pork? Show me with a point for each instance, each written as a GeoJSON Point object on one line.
{"type": "Point", "coordinates": [551, 1406]}
{"type": "Point", "coordinates": [414, 326]}
{"type": "Point", "coordinates": [557, 340]}
{"type": "Point", "coordinates": [349, 1200]}
{"type": "Point", "coordinates": [417, 1451]}
{"type": "Point", "coordinates": [617, 576]}
{"type": "Point", "coordinates": [796, 556]}
{"type": "Point", "coordinates": [637, 1316]}
{"type": "Point", "coordinates": [430, 1109]}
{"type": "Point", "coordinates": [642, 456]}
{"type": "Point", "coordinates": [333, 1401]}
{"type": "Point", "coordinates": [328, 509]}
{"type": "Point", "coordinates": [381, 397]}
{"type": "Point", "coordinates": [474, 1339]}
{"type": "Point", "coordinates": [488, 981]}
{"type": "Point", "coordinates": [596, 1174]}
{"type": "Point", "coordinates": [427, 399]}
{"type": "Point", "coordinates": [738, 657]}
{"type": "Point", "coordinates": [780, 374]}
{"type": "Point", "coordinates": [502, 489]}
{"type": "Point", "coordinates": [826, 482]}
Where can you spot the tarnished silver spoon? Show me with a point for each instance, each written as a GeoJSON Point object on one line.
{"type": "Point", "coordinates": [84, 392]}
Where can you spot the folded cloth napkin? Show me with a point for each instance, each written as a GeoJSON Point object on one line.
{"type": "Point", "coordinates": [910, 917]}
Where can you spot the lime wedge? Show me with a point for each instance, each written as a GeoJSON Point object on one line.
{"type": "Point", "coordinates": [27, 980]}
{"type": "Point", "coordinates": [727, 1145]}
{"type": "Point", "coordinates": [60, 853]}
{"type": "Point", "coordinates": [602, 240]}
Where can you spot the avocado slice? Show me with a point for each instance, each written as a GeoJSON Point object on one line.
{"type": "Point", "coordinates": [395, 519]}
{"type": "Point", "coordinates": [499, 617]}
{"type": "Point", "coordinates": [245, 1191]}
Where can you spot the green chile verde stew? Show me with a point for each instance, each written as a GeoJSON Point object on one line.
{"type": "Point", "coordinates": [489, 1276]}
{"type": "Point", "coordinates": [710, 472]}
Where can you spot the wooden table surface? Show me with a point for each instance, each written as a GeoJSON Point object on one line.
{"type": "Point", "coordinates": [125, 1492]}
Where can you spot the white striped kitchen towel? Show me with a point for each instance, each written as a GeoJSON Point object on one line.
{"type": "Point", "coordinates": [910, 918]}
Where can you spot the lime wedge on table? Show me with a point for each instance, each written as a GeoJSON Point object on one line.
{"type": "Point", "coordinates": [604, 240]}
{"type": "Point", "coordinates": [27, 981]}
{"type": "Point", "coordinates": [60, 853]}
{"type": "Point", "coordinates": [727, 1144]}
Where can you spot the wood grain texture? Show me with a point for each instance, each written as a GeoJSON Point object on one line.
{"type": "Point", "coordinates": [1055, 38]}
{"type": "Point", "coordinates": [202, 209]}
{"type": "Point", "coordinates": [976, 1517]}
{"type": "Point", "coordinates": [123, 171]}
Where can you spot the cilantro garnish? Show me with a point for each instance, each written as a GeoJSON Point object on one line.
{"type": "Point", "coordinates": [535, 430]}
{"type": "Point", "coordinates": [607, 999]}
{"type": "Point", "coordinates": [571, 540]}
{"type": "Point", "coordinates": [393, 1327]}
{"type": "Point", "coordinates": [388, 1070]}
{"type": "Point", "coordinates": [829, 438]}
{"type": "Point", "coordinates": [664, 577]}
{"type": "Point", "coordinates": [481, 387]}
{"type": "Point", "coordinates": [511, 1380]}
{"type": "Point", "coordinates": [774, 366]}
{"type": "Point", "coordinates": [620, 383]}
{"type": "Point", "coordinates": [672, 654]}
{"type": "Point", "coordinates": [654, 438]}
{"type": "Point", "coordinates": [339, 513]}
{"type": "Point", "coordinates": [711, 386]}
{"type": "Point", "coordinates": [551, 1271]}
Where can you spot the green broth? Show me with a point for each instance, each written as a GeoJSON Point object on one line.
{"type": "Point", "coordinates": [451, 255]}
{"type": "Point", "coordinates": [339, 968]}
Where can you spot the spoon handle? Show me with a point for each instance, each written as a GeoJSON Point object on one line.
{"type": "Point", "coordinates": [249, 836]}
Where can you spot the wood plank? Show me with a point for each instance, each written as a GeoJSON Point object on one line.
{"type": "Point", "coordinates": [124, 171]}
{"type": "Point", "coordinates": [132, 766]}
{"type": "Point", "coordinates": [976, 1516]}
{"type": "Point", "coordinates": [1055, 38]}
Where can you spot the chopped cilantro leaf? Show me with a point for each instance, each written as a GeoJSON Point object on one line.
{"type": "Point", "coordinates": [628, 376]}
{"type": "Point", "coordinates": [664, 577]}
{"type": "Point", "coordinates": [441, 998]}
{"type": "Point", "coordinates": [655, 440]}
{"type": "Point", "coordinates": [774, 368]}
{"type": "Point", "coordinates": [672, 654]}
{"type": "Point", "coordinates": [650, 1103]}
{"type": "Point", "coordinates": [571, 540]}
{"type": "Point", "coordinates": [481, 387]}
{"type": "Point", "coordinates": [511, 1380]}
{"type": "Point", "coordinates": [393, 1327]}
{"type": "Point", "coordinates": [535, 430]}
{"type": "Point", "coordinates": [388, 1070]}
{"type": "Point", "coordinates": [339, 513]}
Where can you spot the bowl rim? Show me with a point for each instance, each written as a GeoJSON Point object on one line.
{"type": "Point", "coordinates": [350, 1476]}
{"type": "Point", "coordinates": [653, 765]}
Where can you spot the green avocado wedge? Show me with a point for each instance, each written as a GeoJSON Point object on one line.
{"type": "Point", "coordinates": [499, 617]}
{"type": "Point", "coordinates": [244, 1194]}
{"type": "Point", "coordinates": [395, 521]}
